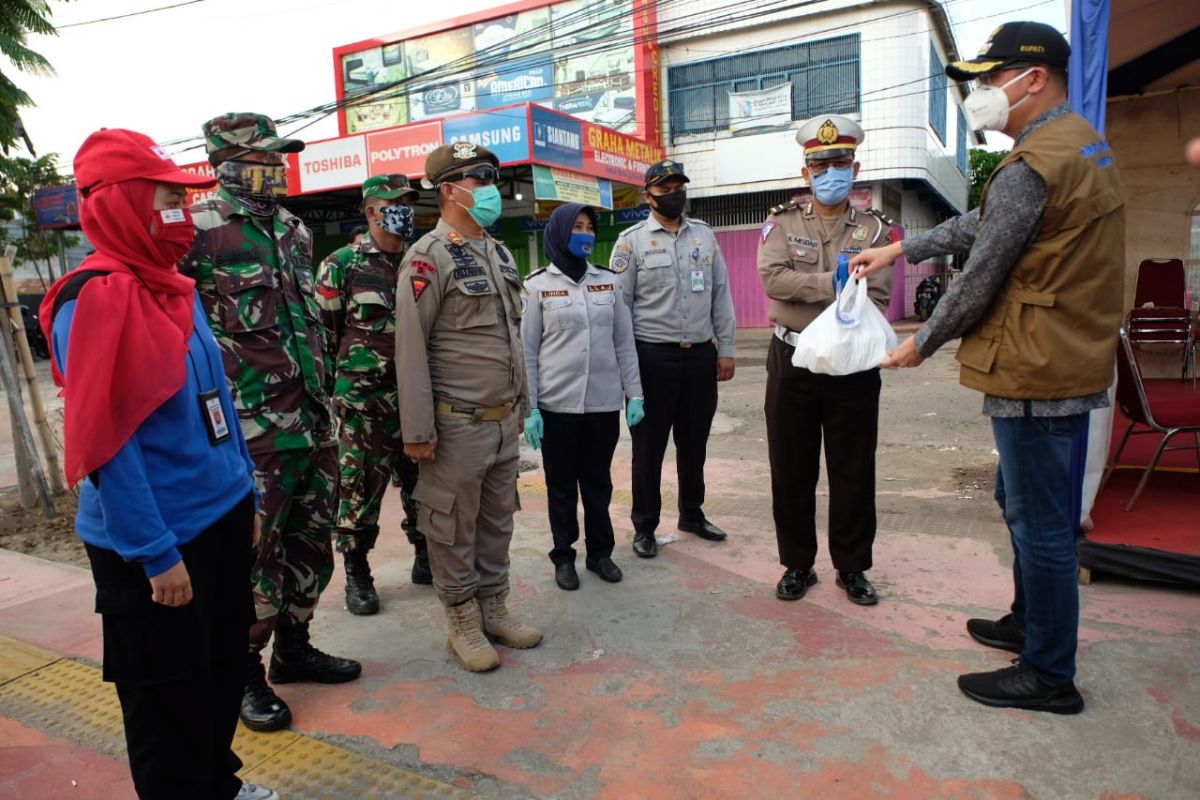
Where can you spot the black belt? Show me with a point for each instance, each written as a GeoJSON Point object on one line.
{"type": "Point", "coordinates": [675, 345]}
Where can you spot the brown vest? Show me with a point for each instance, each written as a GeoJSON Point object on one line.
{"type": "Point", "coordinates": [1051, 332]}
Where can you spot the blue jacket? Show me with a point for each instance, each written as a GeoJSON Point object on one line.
{"type": "Point", "coordinates": [168, 482]}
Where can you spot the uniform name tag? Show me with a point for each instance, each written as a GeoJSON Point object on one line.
{"type": "Point", "coordinates": [697, 280]}
{"type": "Point", "coordinates": [214, 416]}
{"type": "Point", "coordinates": [601, 287]}
{"type": "Point", "coordinates": [468, 272]}
{"type": "Point", "coordinates": [555, 292]}
{"type": "Point", "coordinates": [802, 241]}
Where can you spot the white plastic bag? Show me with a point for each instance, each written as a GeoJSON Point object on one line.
{"type": "Point", "coordinates": [849, 336]}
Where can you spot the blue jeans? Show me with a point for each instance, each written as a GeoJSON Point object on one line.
{"type": "Point", "coordinates": [1033, 488]}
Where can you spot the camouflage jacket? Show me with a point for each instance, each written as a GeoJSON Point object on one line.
{"type": "Point", "coordinates": [256, 286]}
{"type": "Point", "coordinates": [356, 290]}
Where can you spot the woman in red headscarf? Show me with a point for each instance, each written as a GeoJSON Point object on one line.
{"type": "Point", "coordinates": [167, 502]}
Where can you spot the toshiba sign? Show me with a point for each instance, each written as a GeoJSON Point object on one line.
{"type": "Point", "coordinates": [332, 164]}
{"type": "Point", "coordinates": [403, 150]}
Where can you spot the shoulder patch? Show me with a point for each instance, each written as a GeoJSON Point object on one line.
{"type": "Point", "coordinates": [419, 284]}
{"type": "Point", "coordinates": [620, 258]}
{"type": "Point", "coordinates": [766, 230]}
{"type": "Point", "coordinates": [422, 267]}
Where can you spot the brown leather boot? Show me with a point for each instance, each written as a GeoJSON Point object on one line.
{"type": "Point", "coordinates": [500, 624]}
{"type": "Point", "coordinates": [472, 649]}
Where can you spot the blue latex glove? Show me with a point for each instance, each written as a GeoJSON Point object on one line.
{"type": "Point", "coordinates": [635, 411]}
{"type": "Point", "coordinates": [841, 275]}
{"type": "Point", "coordinates": [534, 429]}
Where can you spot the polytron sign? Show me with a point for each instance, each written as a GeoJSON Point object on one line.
{"type": "Point", "coordinates": [403, 150]}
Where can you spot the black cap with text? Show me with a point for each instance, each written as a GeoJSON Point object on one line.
{"type": "Point", "coordinates": [1011, 44]}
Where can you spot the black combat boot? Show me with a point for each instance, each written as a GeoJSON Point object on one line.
{"type": "Point", "coordinates": [421, 574]}
{"type": "Point", "coordinates": [361, 598]}
{"type": "Point", "coordinates": [262, 709]}
{"type": "Point", "coordinates": [294, 659]}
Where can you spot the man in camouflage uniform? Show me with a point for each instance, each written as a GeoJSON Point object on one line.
{"type": "Point", "coordinates": [462, 399]}
{"type": "Point", "coordinates": [356, 290]}
{"type": "Point", "coordinates": [252, 262]}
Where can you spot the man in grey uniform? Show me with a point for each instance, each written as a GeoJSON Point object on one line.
{"type": "Point", "coordinates": [674, 281]}
{"type": "Point", "coordinates": [462, 398]}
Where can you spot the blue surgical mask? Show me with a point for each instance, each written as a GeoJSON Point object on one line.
{"type": "Point", "coordinates": [488, 204]}
{"type": "Point", "coordinates": [833, 185]}
{"type": "Point", "coordinates": [397, 220]}
{"type": "Point", "coordinates": [581, 244]}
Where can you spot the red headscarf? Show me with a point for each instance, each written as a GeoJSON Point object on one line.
{"type": "Point", "coordinates": [130, 330]}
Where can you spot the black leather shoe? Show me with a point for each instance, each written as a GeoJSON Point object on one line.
{"type": "Point", "coordinates": [1019, 686]}
{"type": "Point", "coordinates": [605, 568]}
{"type": "Point", "coordinates": [794, 584]}
{"type": "Point", "coordinates": [262, 709]}
{"type": "Point", "coordinates": [294, 659]}
{"type": "Point", "coordinates": [1001, 633]}
{"type": "Point", "coordinates": [566, 577]}
{"type": "Point", "coordinates": [858, 588]}
{"type": "Point", "coordinates": [704, 529]}
{"type": "Point", "coordinates": [645, 545]}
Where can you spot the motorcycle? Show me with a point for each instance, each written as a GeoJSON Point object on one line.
{"type": "Point", "coordinates": [38, 345]}
{"type": "Point", "coordinates": [929, 291]}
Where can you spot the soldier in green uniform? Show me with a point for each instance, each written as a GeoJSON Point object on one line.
{"type": "Point", "coordinates": [252, 262]}
{"type": "Point", "coordinates": [356, 290]}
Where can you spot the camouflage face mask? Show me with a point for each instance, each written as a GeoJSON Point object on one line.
{"type": "Point", "coordinates": [256, 185]}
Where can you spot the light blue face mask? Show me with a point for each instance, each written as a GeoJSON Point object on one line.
{"type": "Point", "coordinates": [581, 244]}
{"type": "Point", "coordinates": [488, 204]}
{"type": "Point", "coordinates": [833, 185]}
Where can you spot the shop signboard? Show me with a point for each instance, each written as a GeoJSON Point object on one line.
{"type": "Point", "coordinates": [503, 131]}
{"type": "Point", "coordinates": [564, 186]}
{"type": "Point", "coordinates": [627, 215]}
{"type": "Point", "coordinates": [527, 81]}
{"type": "Point", "coordinates": [56, 207]}
{"type": "Point", "coordinates": [332, 164]}
{"type": "Point", "coordinates": [557, 139]}
{"type": "Point", "coordinates": [616, 156]}
{"type": "Point", "coordinates": [440, 66]}
{"type": "Point", "coordinates": [367, 72]}
{"type": "Point", "coordinates": [205, 170]}
{"type": "Point", "coordinates": [403, 150]}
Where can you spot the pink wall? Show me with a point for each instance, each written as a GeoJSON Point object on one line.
{"type": "Point", "coordinates": [750, 302]}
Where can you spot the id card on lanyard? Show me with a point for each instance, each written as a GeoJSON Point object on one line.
{"type": "Point", "coordinates": [214, 416]}
{"type": "Point", "coordinates": [697, 271]}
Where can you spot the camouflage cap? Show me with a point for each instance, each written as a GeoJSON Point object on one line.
{"type": "Point", "coordinates": [244, 131]}
{"type": "Point", "coordinates": [665, 169]}
{"type": "Point", "coordinates": [388, 187]}
{"type": "Point", "coordinates": [455, 156]}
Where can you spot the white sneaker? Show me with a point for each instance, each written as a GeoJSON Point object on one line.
{"type": "Point", "coordinates": [252, 791]}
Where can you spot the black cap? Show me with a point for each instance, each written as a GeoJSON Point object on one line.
{"type": "Point", "coordinates": [665, 169]}
{"type": "Point", "coordinates": [1014, 43]}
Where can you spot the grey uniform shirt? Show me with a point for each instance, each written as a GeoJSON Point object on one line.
{"type": "Point", "coordinates": [675, 284]}
{"type": "Point", "coordinates": [578, 340]}
{"type": "Point", "coordinates": [1015, 202]}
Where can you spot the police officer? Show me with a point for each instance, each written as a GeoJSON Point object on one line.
{"type": "Point", "coordinates": [462, 399]}
{"type": "Point", "coordinates": [798, 259]}
{"type": "Point", "coordinates": [579, 355]}
{"type": "Point", "coordinates": [252, 262]}
{"type": "Point", "coordinates": [356, 290]}
{"type": "Point", "coordinates": [675, 283]}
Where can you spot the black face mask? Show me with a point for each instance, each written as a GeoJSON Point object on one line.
{"type": "Point", "coordinates": [670, 205]}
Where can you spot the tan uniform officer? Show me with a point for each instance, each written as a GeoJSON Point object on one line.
{"type": "Point", "coordinates": [798, 262]}
{"type": "Point", "coordinates": [462, 398]}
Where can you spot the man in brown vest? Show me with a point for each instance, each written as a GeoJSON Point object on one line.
{"type": "Point", "coordinates": [1038, 307]}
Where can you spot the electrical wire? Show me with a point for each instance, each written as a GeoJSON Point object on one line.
{"type": "Point", "coordinates": [127, 16]}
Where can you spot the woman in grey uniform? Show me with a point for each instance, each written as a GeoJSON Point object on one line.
{"type": "Point", "coordinates": [582, 365]}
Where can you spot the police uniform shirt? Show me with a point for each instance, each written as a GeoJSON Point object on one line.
{"type": "Point", "coordinates": [675, 284]}
{"type": "Point", "coordinates": [458, 337]}
{"type": "Point", "coordinates": [578, 341]}
{"type": "Point", "coordinates": [798, 255]}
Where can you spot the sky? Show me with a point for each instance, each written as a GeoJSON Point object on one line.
{"type": "Point", "coordinates": [164, 73]}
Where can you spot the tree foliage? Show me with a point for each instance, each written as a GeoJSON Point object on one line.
{"type": "Point", "coordinates": [983, 164]}
{"type": "Point", "coordinates": [18, 20]}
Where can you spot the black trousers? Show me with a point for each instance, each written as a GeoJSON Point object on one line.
{"type": "Point", "coordinates": [577, 453]}
{"type": "Point", "coordinates": [179, 672]}
{"type": "Point", "coordinates": [680, 386]}
{"type": "Point", "coordinates": [800, 407]}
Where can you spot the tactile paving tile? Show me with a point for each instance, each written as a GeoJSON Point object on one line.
{"type": "Point", "coordinates": [68, 700]}
{"type": "Point", "coordinates": [313, 770]}
{"type": "Point", "coordinates": [18, 658]}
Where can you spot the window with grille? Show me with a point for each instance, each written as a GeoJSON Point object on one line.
{"type": "Point", "coordinates": [961, 154]}
{"type": "Point", "coordinates": [824, 76]}
{"type": "Point", "coordinates": [937, 94]}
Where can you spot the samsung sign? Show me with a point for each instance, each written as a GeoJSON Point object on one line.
{"type": "Point", "coordinates": [522, 82]}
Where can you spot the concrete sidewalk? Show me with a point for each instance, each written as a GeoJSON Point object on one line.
{"type": "Point", "coordinates": [689, 679]}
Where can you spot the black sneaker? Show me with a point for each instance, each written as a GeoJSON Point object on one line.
{"type": "Point", "coordinates": [1001, 633]}
{"type": "Point", "coordinates": [262, 709]}
{"type": "Point", "coordinates": [1019, 686]}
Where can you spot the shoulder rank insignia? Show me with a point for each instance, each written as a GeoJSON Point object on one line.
{"type": "Point", "coordinates": [779, 209]}
{"type": "Point", "coordinates": [456, 237]}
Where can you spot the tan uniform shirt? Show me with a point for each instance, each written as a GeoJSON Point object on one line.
{"type": "Point", "coordinates": [458, 322]}
{"type": "Point", "coordinates": [797, 259]}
